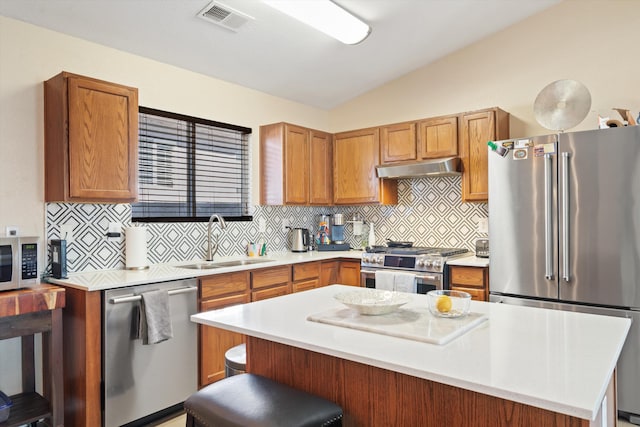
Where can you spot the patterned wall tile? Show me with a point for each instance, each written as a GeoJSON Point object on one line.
{"type": "Point", "coordinates": [429, 212]}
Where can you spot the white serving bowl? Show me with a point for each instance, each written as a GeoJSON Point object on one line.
{"type": "Point", "coordinates": [373, 302]}
{"type": "Point", "coordinates": [446, 303]}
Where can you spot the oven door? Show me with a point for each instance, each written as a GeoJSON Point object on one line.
{"type": "Point", "coordinates": [425, 282]}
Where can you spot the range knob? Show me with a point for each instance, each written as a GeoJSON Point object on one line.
{"type": "Point", "coordinates": [379, 260]}
{"type": "Point", "coordinates": [437, 264]}
{"type": "Point", "coordinates": [428, 263]}
{"type": "Point", "coordinates": [419, 262]}
{"type": "Point", "coordinates": [366, 259]}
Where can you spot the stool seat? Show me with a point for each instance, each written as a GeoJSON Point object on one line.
{"type": "Point", "coordinates": [249, 400]}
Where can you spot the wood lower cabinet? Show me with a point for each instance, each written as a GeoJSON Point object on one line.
{"type": "Point", "coordinates": [305, 276]}
{"type": "Point", "coordinates": [476, 129]}
{"type": "Point", "coordinates": [474, 280]}
{"type": "Point", "coordinates": [91, 140]}
{"type": "Point", "coordinates": [270, 282]}
{"type": "Point", "coordinates": [329, 272]}
{"type": "Point", "coordinates": [215, 292]}
{"type": "Point", "coordinates": [295, 165]}
{"type": "Point", "coordinates": [355, 157]}
{"type": "Point", "coordinates": [349, 273]}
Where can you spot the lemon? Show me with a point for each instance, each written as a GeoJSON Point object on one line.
{"type": "Point", "coordinates": [443, 305]}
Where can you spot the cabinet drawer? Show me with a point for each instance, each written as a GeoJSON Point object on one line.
{"type": "Point", "coordinates": [275, 291]}
{"type": "Point", "coordinates": [222, 302]}
{"type": "Point", "coordinates": [222, 284]}
{"type": "Point", "coordinates": [270, 276]}
{"type": "Point", "coordinates": [307, 270]}
{"type": "Point", "coordinates": [477, 294]}
{"type": "Point", "coordinates": [305, 285]}
{"type": "Point", "coordinates": [470, 276]}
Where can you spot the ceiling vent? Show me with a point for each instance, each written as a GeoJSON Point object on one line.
{"type": "Point", "coordinates": [224, 16]}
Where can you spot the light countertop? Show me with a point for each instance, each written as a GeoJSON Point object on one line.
{"type": "Point", "coordinates": [99, 280]}
{"type": "Point", "coordinates": [556, 360]}
{"type": "Point", "coordinates": [470, 261]}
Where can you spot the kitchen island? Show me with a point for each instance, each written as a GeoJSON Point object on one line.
{"type": "Point", "coordinates": [523, 366]}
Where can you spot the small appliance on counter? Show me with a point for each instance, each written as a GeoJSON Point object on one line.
{"type": "Point", "coordinates": [330, 235]}
{"type": "Point", "coordinates": [299, 239]}
{"type": "Point", "coordinates": [482, 248]}
{"type": "Point", "coordinates": [59, 258]}
{"type": "Point", "coordinates": [18, 262]}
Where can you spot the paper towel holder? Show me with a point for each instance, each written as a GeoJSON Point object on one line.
{"type": "Point", "coordinates": [137, 264]}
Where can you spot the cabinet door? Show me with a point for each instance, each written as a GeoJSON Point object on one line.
{"type": "Point", "coordinates": [296, 170]}
{"type": "Point", "coordinates": [320, 168]}
{"type": "Point", "coordinates": [477, 129]}
{"type": "Point", "coordinates": [329, 273]}
{"type": "Point", "coordinates": [214, 342]}
{"type": "Point", "coordinates": [306, 270]}
{"type": "Point", "coordinates": [350, 273]}
{"type": "Point", "coordinates": [438, 137]}
{"type": "Point", "coordinates": [355, 156]}
{"type": "Point", "coordinates": [398, 142]}
{"type": "Point", "coordinates": [103, 140]}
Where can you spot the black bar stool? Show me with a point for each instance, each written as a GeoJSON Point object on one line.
{"type": "Point", "coordinates": [249, 400]}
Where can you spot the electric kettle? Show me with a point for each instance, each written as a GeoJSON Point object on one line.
{"type": "Point", "coordinates": [298, 239]}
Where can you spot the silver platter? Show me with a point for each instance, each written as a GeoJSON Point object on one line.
{"type": "Point", "coordinates": [562, 105]}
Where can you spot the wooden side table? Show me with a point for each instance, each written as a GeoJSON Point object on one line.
{"type": "Point", "coordinates": [23, 313]}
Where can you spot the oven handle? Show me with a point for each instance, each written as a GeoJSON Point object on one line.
{"type": "Point", "coordinates": [132, 298]}
{"type": "Point", "coordinates": [431, 277]}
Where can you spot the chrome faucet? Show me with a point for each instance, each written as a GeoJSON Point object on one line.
{"type": "Point", "coordinates": [213, 249]}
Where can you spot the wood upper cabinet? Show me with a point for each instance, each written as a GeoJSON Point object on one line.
{"type": "Point", "coordinates": [476, 129]}
{"type": "Point", "coordinates": [438, 137]}
{"type": "Point", "coordinates": [355, 157]}
{"type": "Point", "coordinates": [295, 165]}
{"type": "Point", "coordinates": [91, 140]}
{"type": "Point", "coordinates": [219, 291]}
{"type": "Point", "coordinates": [398, 142]}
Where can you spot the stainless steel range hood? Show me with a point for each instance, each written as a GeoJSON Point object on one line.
{"type": "Point", "coordinates": [447, 166]}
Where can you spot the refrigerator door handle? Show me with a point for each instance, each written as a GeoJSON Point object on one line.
{"type": "Point", "coordinates": [565, 217]}
{"type": "Point", "coordinates": [548, 212]}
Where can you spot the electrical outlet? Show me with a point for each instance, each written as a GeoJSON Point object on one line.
{"type": "Point", "coordinates": [483, 225]}
{"type": "Point", "coordinates": [11, 230]}
{"type": "Point", "coordinates": [114, 232]}
{"type": "Point", "coordinates": [262, 226]}
{"type": "Point", "coordinates": [66, 232]}
{"type": "Point", "coordinates": [285, 223]}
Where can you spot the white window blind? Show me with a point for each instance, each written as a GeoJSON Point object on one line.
{"type": "Point", "coordinates": [190, 168]}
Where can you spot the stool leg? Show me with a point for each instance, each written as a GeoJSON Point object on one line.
{"type": "Point", "coordinates": [190, 421]}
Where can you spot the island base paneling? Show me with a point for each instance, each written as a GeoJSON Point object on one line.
{"type": "Point", "coordinates": [371, 396]}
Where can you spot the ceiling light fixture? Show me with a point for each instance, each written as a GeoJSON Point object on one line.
{"type": "Point", "coordinates": [325, 16]}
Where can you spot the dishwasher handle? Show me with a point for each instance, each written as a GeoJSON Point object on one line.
{"type": "Point", "coordinates": [133, 298]}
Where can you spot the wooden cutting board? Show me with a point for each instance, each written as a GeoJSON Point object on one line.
{"type": "Point", "coordinates": [416, 324]}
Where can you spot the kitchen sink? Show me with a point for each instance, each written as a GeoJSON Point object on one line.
{"type": "Point", "coordinates": [212, 265]}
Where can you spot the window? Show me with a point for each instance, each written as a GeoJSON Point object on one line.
{"type": "Point", "coordinates": [189, 168]}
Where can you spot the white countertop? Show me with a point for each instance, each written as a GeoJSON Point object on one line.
{"type": "Point", "coordinates": [99, 280]}
{"type": "Point", "coordinates": [556, 360]}
{"type": "Point", "coordinates": [470, 261]}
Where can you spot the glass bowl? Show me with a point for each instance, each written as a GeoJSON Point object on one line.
{"type": "Point", "coordinates": [446, 303]}
{"type": "Point", "coordinates": [373, 301]}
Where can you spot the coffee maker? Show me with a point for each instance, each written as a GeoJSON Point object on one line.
{"type": "Point", "coordinates": [330, 235]}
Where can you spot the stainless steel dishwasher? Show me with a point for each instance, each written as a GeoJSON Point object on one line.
{"type": "Point", "coordinates": [144, 381]}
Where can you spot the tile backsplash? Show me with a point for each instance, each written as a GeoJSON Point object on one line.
{"type": "Point", "coordinates": [429, 212]}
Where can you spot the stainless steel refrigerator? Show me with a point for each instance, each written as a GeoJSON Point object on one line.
{"type": "Point", "coordinates": [564, 227]}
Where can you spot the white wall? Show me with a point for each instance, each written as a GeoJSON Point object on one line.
{"type": "Point", "coordinates": [29, 55]}
{"type": "Point", "coordinates": [594, 42]}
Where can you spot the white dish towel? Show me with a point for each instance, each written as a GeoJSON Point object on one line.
{"type": "Point", "coordinates": [396, 281]}
{"type": "Point", "coordinates": [406, 282]}
{"type": "Point", "coordinates": [385, 280]}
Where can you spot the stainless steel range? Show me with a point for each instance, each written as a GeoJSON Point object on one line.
{"type": "Point", "coordinates": [427, 263]}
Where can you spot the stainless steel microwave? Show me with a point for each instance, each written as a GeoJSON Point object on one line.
{"type": "Point", "coordinates": [18, 262]}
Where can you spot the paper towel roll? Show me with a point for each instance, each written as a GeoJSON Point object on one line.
{"type": "Point", "coordinates": [136, 248]}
